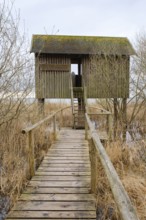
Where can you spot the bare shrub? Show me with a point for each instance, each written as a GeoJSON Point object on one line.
{"type": "Point", "coordinates": [15, 64]}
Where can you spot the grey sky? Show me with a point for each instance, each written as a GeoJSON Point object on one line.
{"type": "Point", "coordinates": [84, 17]}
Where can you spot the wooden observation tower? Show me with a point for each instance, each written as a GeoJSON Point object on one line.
{"type": "Point", "coordinates": [102, 69]}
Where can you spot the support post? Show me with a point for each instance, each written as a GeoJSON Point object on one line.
{"type": "Point", "coordinates": [93, 158]}
{"type": "Point", "coordinates": [31, 153]}
{"type": "Point", "coordinates": [41, 110]}
{"type": "Point", "coordinates": [61, 119]}
{"type": "Point", "coordinates": [110, 127]}
{"type": "Point", "coordinates": [85, 97]}
{"type": "Point", "coordinates": [124, 118]}
{"type": "Point", "coordinates": [86, 130]}
{"type": "Point", "coordinates": [54, 127]}
{"type": "Point", "coordinates": [115, 117]}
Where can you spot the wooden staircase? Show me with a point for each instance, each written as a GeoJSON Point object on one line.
{"type": "Point", "coordinates": [78, 108]}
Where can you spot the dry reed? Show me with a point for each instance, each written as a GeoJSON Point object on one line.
{"type": "Point", "coordinates": [131, 167]}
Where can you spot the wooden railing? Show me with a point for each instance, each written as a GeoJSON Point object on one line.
{"type": "Point", "coordinates": [125, 207]}
{"type": "Point", "coordinates": [30, 136]}
{"type": "Point", "coordinates": [109, 115]}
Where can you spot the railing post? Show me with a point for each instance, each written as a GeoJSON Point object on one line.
{"type": "Point", "coordinates": [86, 129]}
{"type": "Point", "coordinates": [61, 118]}
{"type": "Point", "coordinates": [85, 96]}
{"type": "Point", "coordinates": [110, 127]}
{"type": "Point", "coordinates": [30, 143]}
{"type": "Point", "coordinates": [93, 159]}
{"type": "Point", "coordinates": [54, 126]}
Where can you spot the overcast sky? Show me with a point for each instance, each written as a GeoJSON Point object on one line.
{"type": "Point", "coordinates": [123, 18]}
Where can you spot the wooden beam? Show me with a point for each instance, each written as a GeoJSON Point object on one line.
{"type": "Point", "coordinates": [55, 67]}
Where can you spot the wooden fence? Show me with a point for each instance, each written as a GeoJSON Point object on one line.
{"type": "Point", "coordinates": [100, 111]}
{"type": "Point", "coordinates": [30, 136]}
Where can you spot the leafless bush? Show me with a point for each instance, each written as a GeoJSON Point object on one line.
{"type": "Point", "coordinates": [15, 64]}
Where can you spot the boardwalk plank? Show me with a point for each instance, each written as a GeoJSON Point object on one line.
{"type": "Point", "coordinates": [76, 165]}
{"type": "Point", "coordinates": [57, 190]}
{"type": "Point", "coordinates": [60, 183]}
{"type": "Point", "coordinates": [63, 173]}
{"type": "Point", "coordinates": [67, 169]}
{"type": "Point", "coordinates": [71, 161]}
{"type": "Point", "coordinates": [61, 178]}
{"type": "Point", "coordinates": [44, 205]}
{"type": "Point", "coordinates": [56, 214]}
{"type": "Point", "coordinates": [65, 158]}
{"type": "Point", "coordinates": [57, 197]}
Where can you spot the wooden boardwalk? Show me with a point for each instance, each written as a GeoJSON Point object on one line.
{"type": "Point", "coordinates": [60, 188]}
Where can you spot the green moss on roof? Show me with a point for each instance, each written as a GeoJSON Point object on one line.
{"type": "Point", "coordinates": [64, 44]}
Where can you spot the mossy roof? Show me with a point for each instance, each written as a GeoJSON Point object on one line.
{"type": "Point", "coordinates": [63, 44]}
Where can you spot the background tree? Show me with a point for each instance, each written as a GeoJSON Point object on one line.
{"type": "Point", "coordinates": [136, 104]}
{"type": "Point", "coordinates": [15, 64]}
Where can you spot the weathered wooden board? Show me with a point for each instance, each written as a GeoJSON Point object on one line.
{"type": "Point", "coordinates": [54, 183]}
{"type": "Point", "coordinates": [66, 158]}
{"type": "Point", "coordinates": [69, 161]}
{"type": "Point", "coordinates": [52, 218]}
{"type": "Point", "coordinates": [64, 165]}
{"type": "Point", "coordinates": [54, 206]}
{"type": "Point", "coordinates": [59, 190]}
{"type": "Point", "coordinates": [54, 215]}
{"type": "Point", "coordinates": [68, 147]}
{"type": "Point", "coordinates": [63, 173]}
{"type": "Point", "coordinates": [61, 178]}
{"type": "Point", "coordinates": [57, 197]}
{"type": "Point", "coordinates": [55, 67]}
{"type": "Point", "coordinates": [73, 154]}
{"type": "Point", "coordinates": [61, 169]}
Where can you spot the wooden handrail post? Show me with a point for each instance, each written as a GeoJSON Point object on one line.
{"type": "Point", "coordinates": [86, 130]}
{"type": "Point", "coordinates": [110, 127]}
{"type": "Point", "coordinates": [93, 158]}
{"type": "Point", "coordinates": [85, 96]}
{"type": "Point", "coordinates": [61, 118]}
{"type": "Point", "coordinates": [30, 143]}
{"type": "Point", "coordinates": [54, 126]}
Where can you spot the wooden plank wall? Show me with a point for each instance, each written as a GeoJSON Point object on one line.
{"type": "Point", "coordinates": [52, 76]}
{"type": "Point", "coordinates": [106, 77]}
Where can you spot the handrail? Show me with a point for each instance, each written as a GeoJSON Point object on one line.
{"type": "Point", "coordinates": [126, 209]}
{"type": "Point", "coordinates": [31, 127]}
{"type": "Point", "coordinates": [30, 138]}
{"type": "Point", "coordinates": [103, 111]}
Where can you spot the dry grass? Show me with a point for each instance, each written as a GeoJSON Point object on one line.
{"type": "Point", "coordinates": [130, 164]}
{"type": "Point", "coordinates": [14, 153]}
